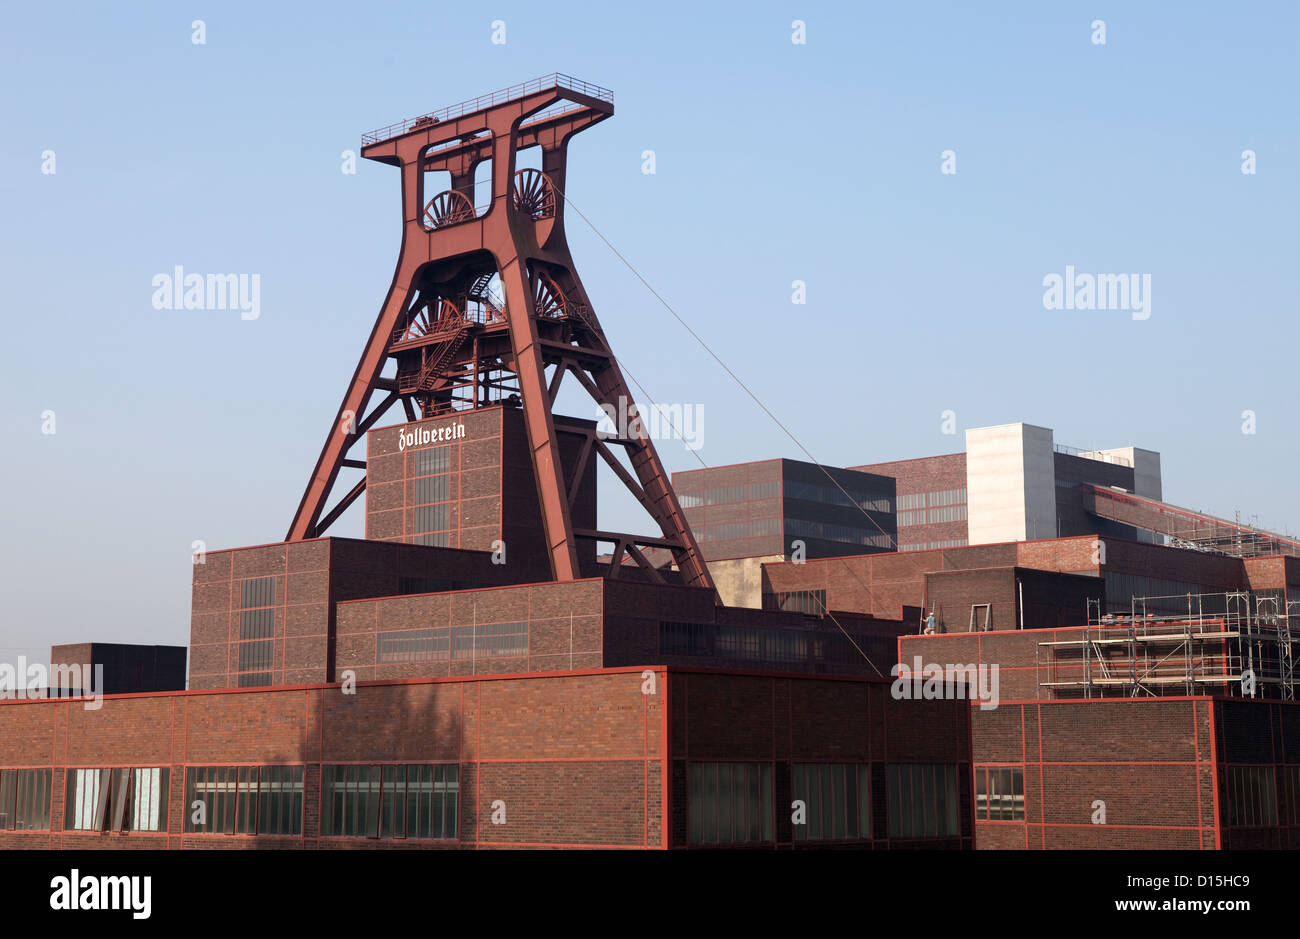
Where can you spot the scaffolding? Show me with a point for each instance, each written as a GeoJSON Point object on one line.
{"type": "Point", "coordinates": [1187, 528]}
{"type": "Point", "coordinates": [1234, 643]}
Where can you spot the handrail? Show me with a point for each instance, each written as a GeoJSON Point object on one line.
{"type": "Point", "coordinates": [482, 102]}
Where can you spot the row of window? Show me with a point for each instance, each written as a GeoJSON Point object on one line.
{"type": "Point", "coordinates": [1164, 597]}
{"type": "Point", "coordinates": [398, 801]}
{"type": "Point", "coordinates": [845, 534]}
{"type": "Point", "coordinates": [934, 545]}
{"type": "Point", "coordinates": [925, 500]}
{"type": "Point", "coordinates": [755, 528]}
{"type": "Point", "coordinates": [388, 801]}
{"type": "Point", "coordinates": [441, 644]}
{"type": "Point", "coordinates": [726, 494]}
{"type": "Point", "coordinates": [951, 513]}
{"type": "Point", "coordinates": [731, 803]}
{"type": "Point", "coordinates": [752, 644]}
{"type": "Point", "coordinates": [797, 601]}
{"type": "Point", "coordinates": [834, 495]}
{"type": "Point", "coordinates": [1251, 795]}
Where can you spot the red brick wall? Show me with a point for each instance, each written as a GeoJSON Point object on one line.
{"type": "Point", "coordinates": [576, 757]}
{"type": "Point", "coordinates": [311, 577]}
{"type": "Point", "coordinates": [926, 474]}
{"type": "Point", "coordinates": [564, 629]}
{"type": "Point", "coordinates": [1150, 762]}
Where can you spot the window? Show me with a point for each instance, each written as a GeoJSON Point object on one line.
{"type": "Point", "coordinates": [837, 801]}
{"type": "Point", "coordinates": [492, 640]}
{"type": "Point", "coordinates": [432, 461]}
{"type": "Point", "coordinates": [431, 489]}
{"type": "Point", "coordinates": [116, 800]}
{"type": "Point", "coordinates": [1252, 797]}
{"type": "Point", "coordinates": [256, 629]}
{"type": "Point", "coordinates": [256, 656]}
{"type": "Point", "coordinates": [429, 492]}
{"type": "Point", "coordinates": [685, 638]}
{"type": "Point", "coordinates": [922, 800]}
{"type": "Point", "coordinates": [999, 793]}
{"type": "Point", "coordinates": [730, 803]}
{"type": "Point", "coordinates": [412, 645]}
{"type": "Point", "coordinates": [799, 601]}
{"type": "Point", "coordinates": [25, 799]}
{"type": "Point", "coordinates": [1291, 784]}
{"type": "Point", "coordinates": [399, 801]}
{"type": "Point", "coordinates": [430, 518]}
{"type": "Point", "coordinates": [257, 592]}
{"type": "Point", "coordinates": [244, 800]}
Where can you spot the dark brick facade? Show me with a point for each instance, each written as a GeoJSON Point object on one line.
{"type": "Point", "coordinates": [882, 584]}
{"type": "Point", "coordinates": [127, 668]}
{"type": "Point", "coordinates": [763, 509]}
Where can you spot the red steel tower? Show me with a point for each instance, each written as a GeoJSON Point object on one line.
{"type": "Point", "coordinates": [485, 300]}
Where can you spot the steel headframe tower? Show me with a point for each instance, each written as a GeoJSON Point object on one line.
{"type": "Point", "coordinates": [486, 299]}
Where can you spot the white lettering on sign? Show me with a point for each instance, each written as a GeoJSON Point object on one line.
{"type": "Point", "coordinates": [419, 436]}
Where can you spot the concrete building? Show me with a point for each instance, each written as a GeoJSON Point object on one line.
{"type": "Point", "coordinates": [1013, 482]}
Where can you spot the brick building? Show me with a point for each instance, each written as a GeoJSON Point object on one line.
{"type": "Point", "coordinates": [614, 758]}
{"type": "Point", "coordinates": [433, 686]}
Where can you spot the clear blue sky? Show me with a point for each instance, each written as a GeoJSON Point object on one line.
{"type": "Point", "coordinates": [775, 162]}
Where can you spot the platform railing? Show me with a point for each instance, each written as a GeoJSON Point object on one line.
{"type": "Point", "coordinates": [482, 102]}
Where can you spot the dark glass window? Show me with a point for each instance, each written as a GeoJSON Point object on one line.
{"type": "Point", "coordinates": [798, 601]}
{"type": "Point", "coordinates": [999, 793]}
{"type": "Point", "coordinates": [922, 800]}
{"type": "Point", "coordinates": [685, 639]}
{"type": "Point", "coordinates": [836, 799]}
{"type": "Point", "coordinates": [391, 801]}
{"type": "Point", "coordinates": [1252, 797]}
{"type": "Point", "coordinates": [256, 656]}
{"type": "Point", "coordinates": [244, 800]}
{"type": "Point", "coordinates": [116, 799]}
{"type": "Point", "coordinates": [257, 624]}
{"type": "Point", "coordinates": [260, 591]}
{"type": "Point", "coordinates": [430, 489]}
{"type": "Point", "coordinates": [25, 799]}
{"type": "Point", "coordinates": [729, 803]}
{"type": "Point", "coordinates": [431, 518]}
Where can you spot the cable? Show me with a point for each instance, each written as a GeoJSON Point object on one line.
{"type": "Point", "coordinates": [757, 401]}
{"type": "Point", "coordinates": [705, 346]}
